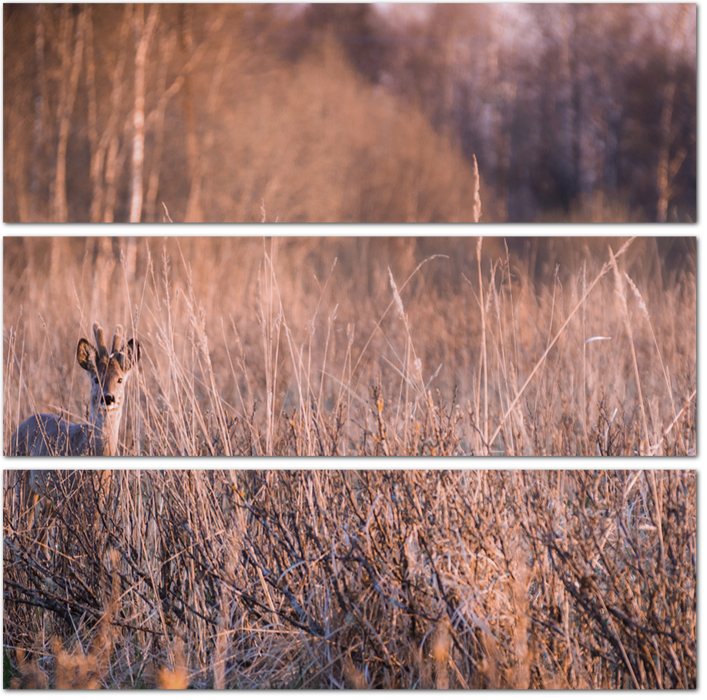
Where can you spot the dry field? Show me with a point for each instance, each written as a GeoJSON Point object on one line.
{"type": "Point", "coordinates": [365, 346]}
{"type": "Point", "coordinates": [356, 579]}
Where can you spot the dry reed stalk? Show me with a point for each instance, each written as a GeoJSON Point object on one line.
{"type": "Point", "coordinates": [477, 198]}
{"type": "Point", "coordinates": [605, 268]}
{"type": "Point", "coordinates": [482, 358]}
{"type": "Point", "coordinates": [644, 309]}
{"type": "Point", "coordinates": [627, 321]}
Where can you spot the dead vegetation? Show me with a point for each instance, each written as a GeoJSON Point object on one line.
{"type": "Point", "coordinates": [365, 346]}
{"type": "Point", "coordinates": [361, 579]}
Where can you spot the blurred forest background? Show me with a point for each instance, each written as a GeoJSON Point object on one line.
{"type": "Point", "coordinates": [349, 113]}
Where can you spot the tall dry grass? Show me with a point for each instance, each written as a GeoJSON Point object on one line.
{"type": "Point", "coordinates": [357, 346]}
{"type": "Point", "coordinates": [364, 579]}
{"type": "Point", "coordinates": [477, 196]}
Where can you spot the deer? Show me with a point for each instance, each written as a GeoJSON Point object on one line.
{"type": "Point", "coordinates": [47, 434]}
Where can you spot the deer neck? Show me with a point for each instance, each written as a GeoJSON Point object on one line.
{"type": "Point", "coordinates": [104, 432]}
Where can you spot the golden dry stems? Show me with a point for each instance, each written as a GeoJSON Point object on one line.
{"type": "Point", "coordinates": [482, 355]}
{"type": "Point", "coordinates": [477, 197]}
{"type": "Point", "coordinates": [31, 676]}
{"type": "Point", "coordinates": [621, 294]}
{"type": "Point", "coordinates": [604, 270]}
{"type": "Point", "coordinates": [517, 359]}
{"type": "Point", "coordinates": [176, 676]}
{"type": "Point", "coordinates": [367, 579]}
{"type": "Point", "coordinates": [644, 310]}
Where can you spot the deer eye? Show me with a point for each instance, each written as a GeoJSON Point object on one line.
{"type": "Point", "coordinates": [95, 380]}
{"type": "Point", "coordinates": [120, 380]}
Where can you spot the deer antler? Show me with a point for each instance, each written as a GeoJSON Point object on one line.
{"type": "Point", "coordinates": [117, 338]}
{"type": "Point", "coordinates": [98, 333]}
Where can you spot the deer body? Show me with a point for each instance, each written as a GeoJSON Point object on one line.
{"type": "Point", "coordinates": [48, 434]}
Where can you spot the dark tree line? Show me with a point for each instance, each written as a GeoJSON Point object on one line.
{"type": "Point", "coordinates": [571, 109]}
{"type": "Point", "coordinates": [349, 112]}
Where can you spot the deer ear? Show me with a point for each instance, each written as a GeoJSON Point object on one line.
{"type": "Point", "coordinates": [86, 356]}
{"type": "Point", "coordinates": [133, 351]}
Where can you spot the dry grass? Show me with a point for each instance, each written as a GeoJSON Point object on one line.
{"type": "Point", "coordinates": [363, 579]}
{"type": "Point", "coordinates": [477, 197]}
{"type": "Point", "coordinates": [357, 346]}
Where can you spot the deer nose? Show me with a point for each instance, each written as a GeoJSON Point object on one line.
{"type": "Point", "coordinates": [108, 399]}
